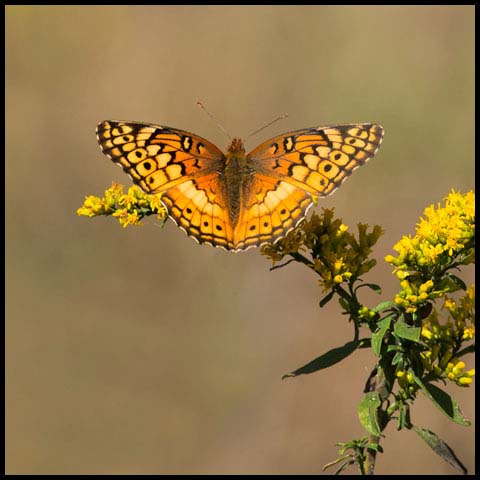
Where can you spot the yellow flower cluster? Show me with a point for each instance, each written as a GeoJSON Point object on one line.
{"type": "Point", "coordinates": [463, 313]}
{"type": "Point", "coordinates": [407, 384]}
{"type": "Point", "coordinates": [366, 313]}
{"type": "Point", "coordinates": [414, 294]}
{"type": "Point", "coordinates": [444, 232]}
{"type": "Point", "coordinates": [341, 256]}
{"type": "Point", "coordinates": [336, 255]}
{"type": "Point", "coordinates": [128, 208]}
{"type": "Point", "coordinates": [455, 372]}
{"type": "Point", "coordinates": [443, 338]}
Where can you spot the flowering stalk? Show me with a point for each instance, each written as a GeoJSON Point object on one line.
{"type": "Point", "coordinates": [128, 208]}
{"type": "Point", "coordinates": [418, 337]}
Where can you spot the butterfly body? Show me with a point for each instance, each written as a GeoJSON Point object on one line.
{"type": "Point", "coordinates": [235, 176]}
{"type": "Point", "coordinates": [234, 200]}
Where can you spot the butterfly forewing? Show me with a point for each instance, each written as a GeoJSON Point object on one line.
{"type": "Point", "coordinates": [158, 158]}
{"type": "Point", "coordinates": [318, 159]}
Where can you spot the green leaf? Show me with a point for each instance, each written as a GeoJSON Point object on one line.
{"type": "Point", "coordinates": [329, 358]}
{"type": "Point", "coordinates": [401, 417]}
{"type": "Point", "coordinates": [404, 416]}
{"type": "Point", "coordinates": [451, 282]}
{"type": "Point", "coordinates": [344, 303]}
{"type": "Point", "coordinates": [347, 463]}
{"type": "Point", "coordinates": [384, 305]}
{"type": "Point", "coordinates": [337, 460]}
{"type": "Point", "coordinates": [464, 351]}
{"type": "Point", "coordinates": [364, 343]}
{"type": "Point", "coordinates": [403, 330]}
{"type": "Point", "coordinates": [372, 286]}
{"type": "Point", "coordinates": [377, 337]}
{"type": "Point", "coordinates": [423, 311]}
{"type": "Point", "coordinates": [368, 413]}
{"type": "Point", "coordinates": [443, 401]}
{"type": "Point", "coordinates": [375, 447]}
{"type": "Point", "coordinates": [394, 348]}
{"type": "Point", "coordinates": [458, 281]}
{"type": "Point", "coordinates": [326, 299]}
{"type": "Point", "coordinates": [398, 359]}
{"type": "Point", "coordinates": [440, 448]}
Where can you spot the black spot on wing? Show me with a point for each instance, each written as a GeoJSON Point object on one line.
{"type": "Point", "coordinates": [277, 165]}
{"type": "Point", "coordinates": [324, 137]}
{"type": "Point", "coordinates": [186, 143]}
{"type": "Point", "coordinates": [289, 143]}
{"type": "Point", "coordinates": [196, 164]}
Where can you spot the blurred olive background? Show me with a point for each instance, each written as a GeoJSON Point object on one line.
{"type": "Point", "coordinates": [138, 351]}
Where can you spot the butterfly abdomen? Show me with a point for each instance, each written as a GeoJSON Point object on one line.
{"type": "Point", "coordinates": [235, 175]}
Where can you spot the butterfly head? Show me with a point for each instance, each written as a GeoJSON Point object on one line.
{"type": "Point", "coordinates": [236, 146]}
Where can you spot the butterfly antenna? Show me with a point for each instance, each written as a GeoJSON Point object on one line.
{"type": "Point", "coordinates": [200, 104]}
{"type": "Point", "coordinates": [280, 117]}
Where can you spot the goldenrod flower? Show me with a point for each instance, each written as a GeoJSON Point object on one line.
{"type": "Point", "coordinates": [128, 208]}
{"type": "Point", "coordinates": [443, 337]}
{"type": "Point", "coordinates": [455, 373]}
{"type": "Point", "coordinates": [468, 333]}
{"type": "Point", "coordinates": [126, 218]}
{"type": "Point", "coordinates": [444, 239]}
{"type": "Point", "coordinates": [366, 313]}
{"type": "Point", "coordinates": [337, 255]}
{"type": "Point", "coordinates": [92, 206]}
{"type": "Point", "coordinates": [445, 231]}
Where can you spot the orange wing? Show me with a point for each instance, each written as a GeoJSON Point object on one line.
{"type": "Point", "coordinates": [271, 207]}
{"type": "Point", "coordinates": [182, 166]}
{"type": "Point", "coordinates": [158, 158]}
{"type": "Point", "coordinates": [198, 207]}
{"type": "Point", "coordinates": [317, 160]}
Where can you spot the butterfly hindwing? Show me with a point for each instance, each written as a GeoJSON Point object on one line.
{"type": "Point", "coordinates": [198, 207]}
{"type": "Point", "coordinates": [270, 208]}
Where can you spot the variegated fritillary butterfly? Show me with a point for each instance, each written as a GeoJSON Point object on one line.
{"type": "Point", "coordinates": [233, 200]}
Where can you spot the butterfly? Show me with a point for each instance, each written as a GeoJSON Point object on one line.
{"type": "Point", "coordinates": [236, 200]}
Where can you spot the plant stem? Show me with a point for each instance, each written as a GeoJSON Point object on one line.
{"type": "Point", "coordinates": [371, 455]}
{"type": "Point", "coordinates": [377, 384]}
